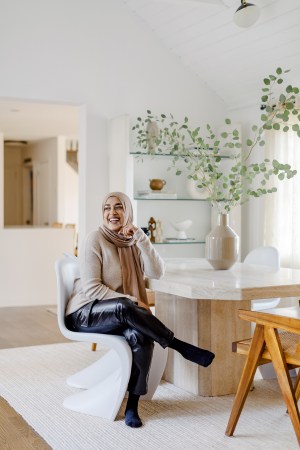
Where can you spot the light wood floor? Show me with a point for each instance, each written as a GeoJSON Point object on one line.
{"type": "Point", "coordinates": [22, 327]}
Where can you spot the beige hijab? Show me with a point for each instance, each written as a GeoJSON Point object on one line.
{"type": "Point", "coordinates": [129, 254]}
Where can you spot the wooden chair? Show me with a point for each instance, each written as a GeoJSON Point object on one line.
{"type": "Point", "coordinates": [276, 338]}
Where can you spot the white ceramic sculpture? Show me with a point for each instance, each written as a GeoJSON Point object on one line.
{"type": "Point", "coordinates": [181, 228]}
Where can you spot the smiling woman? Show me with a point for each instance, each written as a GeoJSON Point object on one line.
{"type": "Point", "coordinates": [110, 296]}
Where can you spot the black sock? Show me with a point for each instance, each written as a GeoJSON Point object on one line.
{"type": "Point", "coordinates": [192, 353]}
{"type": "Point", "coordinates": [132, 418]}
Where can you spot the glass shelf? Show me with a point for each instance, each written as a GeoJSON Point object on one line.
{"type": "Point", "coordinates": [173, 199]}
{"type": "Point", "coordinates": [179, 242]}
{"type": "Point", "coordinates": [150, 155]}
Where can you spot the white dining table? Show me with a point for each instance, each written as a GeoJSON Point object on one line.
{"type": "Point", "coordinates": [200, 305]}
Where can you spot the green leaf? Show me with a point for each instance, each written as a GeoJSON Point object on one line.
{"type": "Point", "coordinates": [282, 98]}
{"type": "Point", "coordinates": [148, 111]}
{"type": "Point", "coordinates": [295, 127]}
{"type": "Point", "coordinates": [178, 172]}
{"type": "Point", "coordinates": [276, 126]}
{"type": "Point", "coordinates": [224, 135]}
{"type": "Point", "coordinates": [289, 105]}
{"type": "Point", "coordinates": [266, 81]}
{"type": "Point", "coordinates": [249, 142]}
{"type": "Point", "coordinates": [285, 128]}
{"type": "Point", "coordinates": [279, 70]}
{"type": "Point", "coordinates": [280, 81]}
{"type": "Point", "coordinates": [296, 90]}
{"type": "Point", "coordinates": [264, 117]}
{"type": "Point", "coordinates": [264, 98]}
{"type": "Point", "coordinates": [289, 89]}
{"type": "Point", "coordinates": [228, 121]}
{"type": "Point", "coordinates": [267, 126]}
{"type": "Point", "coordinates": [281, 176]}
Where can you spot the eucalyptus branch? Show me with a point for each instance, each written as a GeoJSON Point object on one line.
{"type": "Point", "coordinates": [201, 151]}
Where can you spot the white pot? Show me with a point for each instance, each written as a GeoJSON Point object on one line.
{"type": "Point", "coordinates": [222, 245]}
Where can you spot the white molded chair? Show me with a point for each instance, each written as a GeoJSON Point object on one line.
{"type": "Point", "coordinates": [104, 382]}
{"type": "Point", "coordinates": [264, 256]}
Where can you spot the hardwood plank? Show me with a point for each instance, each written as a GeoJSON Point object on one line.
{"type": "Point", "coordinates": [15, 433]}
{"type": "Point", "coordinates": [22, 327]}
{"type": "Point", "coordinates": [29, 325]}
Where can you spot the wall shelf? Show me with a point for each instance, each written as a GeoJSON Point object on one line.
{"type": "Point", "coordinates": [182, 242]}
{"type": "Point", "coordinates": [170, 155]}
{"type": "Point", "coordinates": [172, 199]}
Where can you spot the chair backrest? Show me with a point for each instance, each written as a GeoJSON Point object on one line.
{"type": "Point", "coordinates": [67, 269]}
{"type": "Point", "coordinates": [264, 256]}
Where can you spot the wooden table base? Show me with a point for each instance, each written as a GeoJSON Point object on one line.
{"type": "Point", "coordinates": [210, 324]}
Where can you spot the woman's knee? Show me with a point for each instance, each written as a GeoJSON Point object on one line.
{"type": "Point", "coordinates": [123, 305]}
{"type": "Point", "coordinates": [136, 339]}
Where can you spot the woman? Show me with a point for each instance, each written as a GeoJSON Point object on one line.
{"type": "Point", "coordinates": [110, 296]}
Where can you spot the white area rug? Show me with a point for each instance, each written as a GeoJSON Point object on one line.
{"type": "Point", "coordinates": [32, 380]}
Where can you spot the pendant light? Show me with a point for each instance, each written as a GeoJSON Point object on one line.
{"type": "Point", "coordinates": [246, 14]}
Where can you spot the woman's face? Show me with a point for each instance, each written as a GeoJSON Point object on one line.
{"type": "Point", "coordinates": [113, 214]}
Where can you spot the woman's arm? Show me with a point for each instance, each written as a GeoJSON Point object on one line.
{"type": "Point", "coordinates": [152, 263]}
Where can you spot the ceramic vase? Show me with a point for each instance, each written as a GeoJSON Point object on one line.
{"type": "Point", "coordinates": [222, 245]}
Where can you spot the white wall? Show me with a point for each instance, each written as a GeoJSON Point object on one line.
{"type": "Point", "coordinates": [45, 151]}
{"type": "Point", "coordinates": [252, 211]}
{"type": "Point", "coordinates": [98, 55]}
{"type": "Point", "coordinates": [27, 264]}
{"type": "Point", "coordinates": [67, 186]}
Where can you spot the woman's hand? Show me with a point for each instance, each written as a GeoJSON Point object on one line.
{"type": "Point", "coordinates": [128, 230]}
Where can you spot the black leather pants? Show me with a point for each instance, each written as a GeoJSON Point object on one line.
{"type": "Point", "coordinates": [140, 328]}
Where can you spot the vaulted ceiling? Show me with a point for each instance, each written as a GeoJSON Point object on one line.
{"type": "Point", "coordinates": [232, 61]}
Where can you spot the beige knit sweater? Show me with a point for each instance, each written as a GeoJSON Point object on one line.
{"type": "Point", "coordinates": [100, 269]}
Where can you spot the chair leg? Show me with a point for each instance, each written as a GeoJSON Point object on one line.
{"type": "Point", "coordinates": [297, 387]}
{"type": "Point", "coordinates": [94, 347]}
{"type": "Point", "coordinates": [284, 379]}
{"type": "Point", "coordinates": [105, 390]}
{"type": "Point", "coordinates": [255, 351]}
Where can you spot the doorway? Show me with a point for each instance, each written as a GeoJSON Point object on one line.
{"type": "Point", "coordinates": [39, 182]}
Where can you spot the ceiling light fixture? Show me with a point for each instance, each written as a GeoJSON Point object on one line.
{"type": "Point", "coordinates": [246, 14]}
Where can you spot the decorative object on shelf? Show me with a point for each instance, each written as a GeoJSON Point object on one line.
{"type": "Point", "coordinates": [159, 232]}
{"type": "Point", "coordinates": [152, 228]}
{"type": "Point", "coordinates": [201, 152]}
{"type": "Point", "coordinates": [156, 184]}
{"type": "Point", "coordinates": [181, 228]}
{"type": "Point", "coordinates": [222, 245]}
{"type": "Point", "coordinates": [152, 135]}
